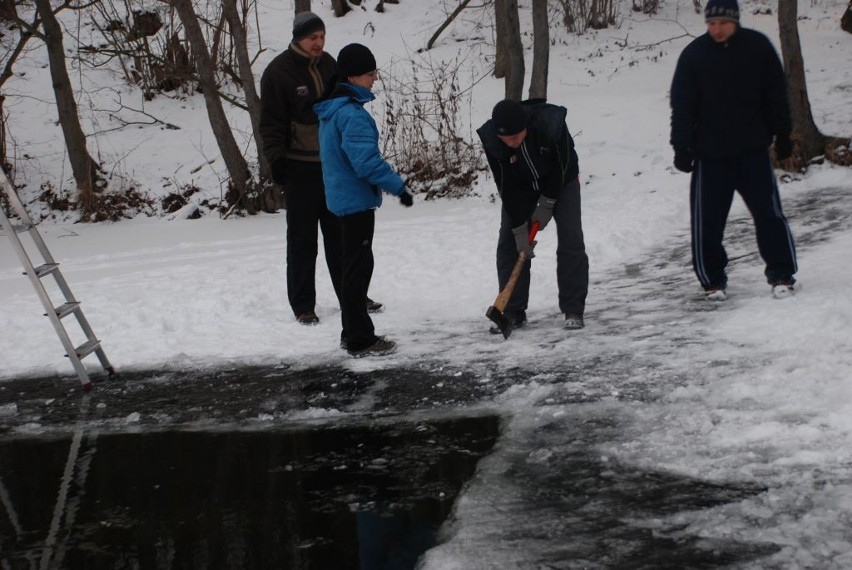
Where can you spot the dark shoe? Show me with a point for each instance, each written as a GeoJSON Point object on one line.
{"type": "Point", "coordinates": [308, 318]}
{"type": "Point", "coordinates": [381, 347]}
{"type": "Point", "coordinates": [517, 321]}
{"type": "Point", "coordinates": [373, 306]}
{"type": "Point", "coordinates": [573, 322]}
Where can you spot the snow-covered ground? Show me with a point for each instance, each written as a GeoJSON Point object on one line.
{"type": "Point", "coordinates": [755, 393]}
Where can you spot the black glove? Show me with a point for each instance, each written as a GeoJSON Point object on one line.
{"type": "Point", "coordinates": [522, 241]}
{"type": "Point", "coordinates": [279, 172]}
{"type": "Point", "coordinates": [544, 211]}
{"type": "Point", "coordinates": [783, 147]}
{"type": "Point", "coordinates": [406, 199]}
{"type": "Point", "coordinates": [683, 159]}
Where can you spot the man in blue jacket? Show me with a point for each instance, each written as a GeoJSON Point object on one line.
{"type": "Point", "coordinates": [729, 99]}
{"type": "Point", "coordinates": [354, 174]}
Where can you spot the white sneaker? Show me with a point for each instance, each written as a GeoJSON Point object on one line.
{"type": "Point", "coordinates": [715, 295]}
{"type": "Point", "coordinates": [783, 290]}
{"type": "Point", "coordinates": [573, 322]}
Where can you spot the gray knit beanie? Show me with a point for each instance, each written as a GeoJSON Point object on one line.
{"type": "Point", "coordinates": [305, 24]}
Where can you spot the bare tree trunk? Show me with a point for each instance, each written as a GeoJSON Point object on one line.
{"type": "Point", "coordinates": [501, 53]}
{"type": "Point", "coordinates": [234, 161]}
{"type": "Point", "coordinates": [846, 20]}
{"type": "Point", "coordinates": [8, 11]}
{"type": "Point", "coordinates": [507, 10]}
{"type": "Point", "coordinates": [541, 50]}
{"type": "Point", "coordinates": [85, 169]}
{"type": "Point", "coordinates": [3, 162]}
{"type": "Point", "coordinates": [340, 7]}
{"type": "Point", "coordinates": [270, 199]}
{"type": "Point", "coordinates": [303, 6]}
{"type": "Point", "coordinates": [811, 141]}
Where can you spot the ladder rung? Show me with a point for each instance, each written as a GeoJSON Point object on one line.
{"type": "Point", "coordinates": [66, 309]}
{"type": "Point", "coordinates": [87, 348]}
{"type": "Point", "coordinates": [46, 269]}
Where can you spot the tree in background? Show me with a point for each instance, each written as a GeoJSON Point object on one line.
{"type": "Point", "coordinates": [809, 141]}
{"type": "Point", "coordinates": [269, 197]}
{"type": "Point", "coordinates": [340, 7]}
{"type": "Point", "coordinates": [234, 162]}
{"type": "Point", "coordinates": [86, 171]}
{"type": "Point", "coordinates": [509, 60]}
{"type": "Point", "coordinates": [541, 50]}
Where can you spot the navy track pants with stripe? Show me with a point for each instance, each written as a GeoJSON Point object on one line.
{"type": "Point", "coordinates": [711, 194]}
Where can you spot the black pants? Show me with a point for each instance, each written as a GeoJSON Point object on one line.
{"type": "Point", "coordinates": [711, 194]}
{"type": "Point", "coordinates": [306, 208]}
{"type": "Point", "coordinates": [357, 230]}
{"type": "Point", "coordinates": [572, 263]}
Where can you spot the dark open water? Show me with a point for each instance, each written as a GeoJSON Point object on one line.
{"type": "Point", "coordinates": [358, 496]}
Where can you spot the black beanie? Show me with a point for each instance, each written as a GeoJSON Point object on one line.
{"type": "Point", "coordinates": [722, 10]}
{"type": "Point", "coordinates": [306, 23]}
{"type": "Point", "coordinates": [508, 117]}
{"type": "Point", "coordinates": [354, 60]}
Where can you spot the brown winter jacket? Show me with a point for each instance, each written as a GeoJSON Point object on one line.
{"type": "Point", "coordinates": [289, 87]}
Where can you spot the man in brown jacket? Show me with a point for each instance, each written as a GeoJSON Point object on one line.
{"type": "Point", "coordinates": [289, 87]}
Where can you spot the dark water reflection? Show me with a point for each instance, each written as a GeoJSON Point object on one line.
{"type": "Point", "coordinates": [365, 496]}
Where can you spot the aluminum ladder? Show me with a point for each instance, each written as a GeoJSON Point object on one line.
{"type": "Point", "coordinates": [49, 267]}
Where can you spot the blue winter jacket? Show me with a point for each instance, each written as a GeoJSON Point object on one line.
{"type": "Point", "coordinates": [728, 98]}
{"type": "Point", "coordinates": [353, 170]}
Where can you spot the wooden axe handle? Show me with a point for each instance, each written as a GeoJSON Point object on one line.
{"type": "Point", "coordinates": [503, 297]}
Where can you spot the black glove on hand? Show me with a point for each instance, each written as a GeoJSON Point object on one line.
{"type": "Point", "coordinates": [522, 240]}
{"type": "Point", "coordinates": [279, 172]}
{"type": "Point", "coordinates": [406, 199]}
{"type": "Point", "coordinates": [544, 211]}
{"type": "Point", "coordinates": [783, 147]}
{"type": "Point", "coordinates": [683, 159]}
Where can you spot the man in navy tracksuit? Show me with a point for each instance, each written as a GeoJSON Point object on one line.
{"type": "Point", "coordinates": [729, 100]}
{"type": "Point", "coordinates": [532, 156]}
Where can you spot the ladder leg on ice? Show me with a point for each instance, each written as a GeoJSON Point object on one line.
{"type": "Point", "coordinates": [50, 267]}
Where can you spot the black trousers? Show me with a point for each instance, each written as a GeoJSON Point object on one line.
{"type": "Point", "coordinates": [357, 231]}
{"type": "Point", "coordinates": [572, 263]}
{"type": "Point", "coordinates": [711, 194]}
{"type": "Point", "coordinates": [306, 209]}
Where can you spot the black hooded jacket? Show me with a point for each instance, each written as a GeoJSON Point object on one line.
{"type": "Point", "coordinates": [728, 98]}
{"type": "Point", "coordinates": [542, 165]}
{"type": "Point", "coordinates": [289, 87]}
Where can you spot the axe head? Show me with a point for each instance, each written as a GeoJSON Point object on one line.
{"type": "Point", "coordinates": [499, 319]}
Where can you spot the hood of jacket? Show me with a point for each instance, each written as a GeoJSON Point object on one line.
{"type": "Point", "coordinates": [340, 96]}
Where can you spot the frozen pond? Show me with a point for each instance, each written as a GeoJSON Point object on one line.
{"type": "Point", "coordinates": [251, 469]}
